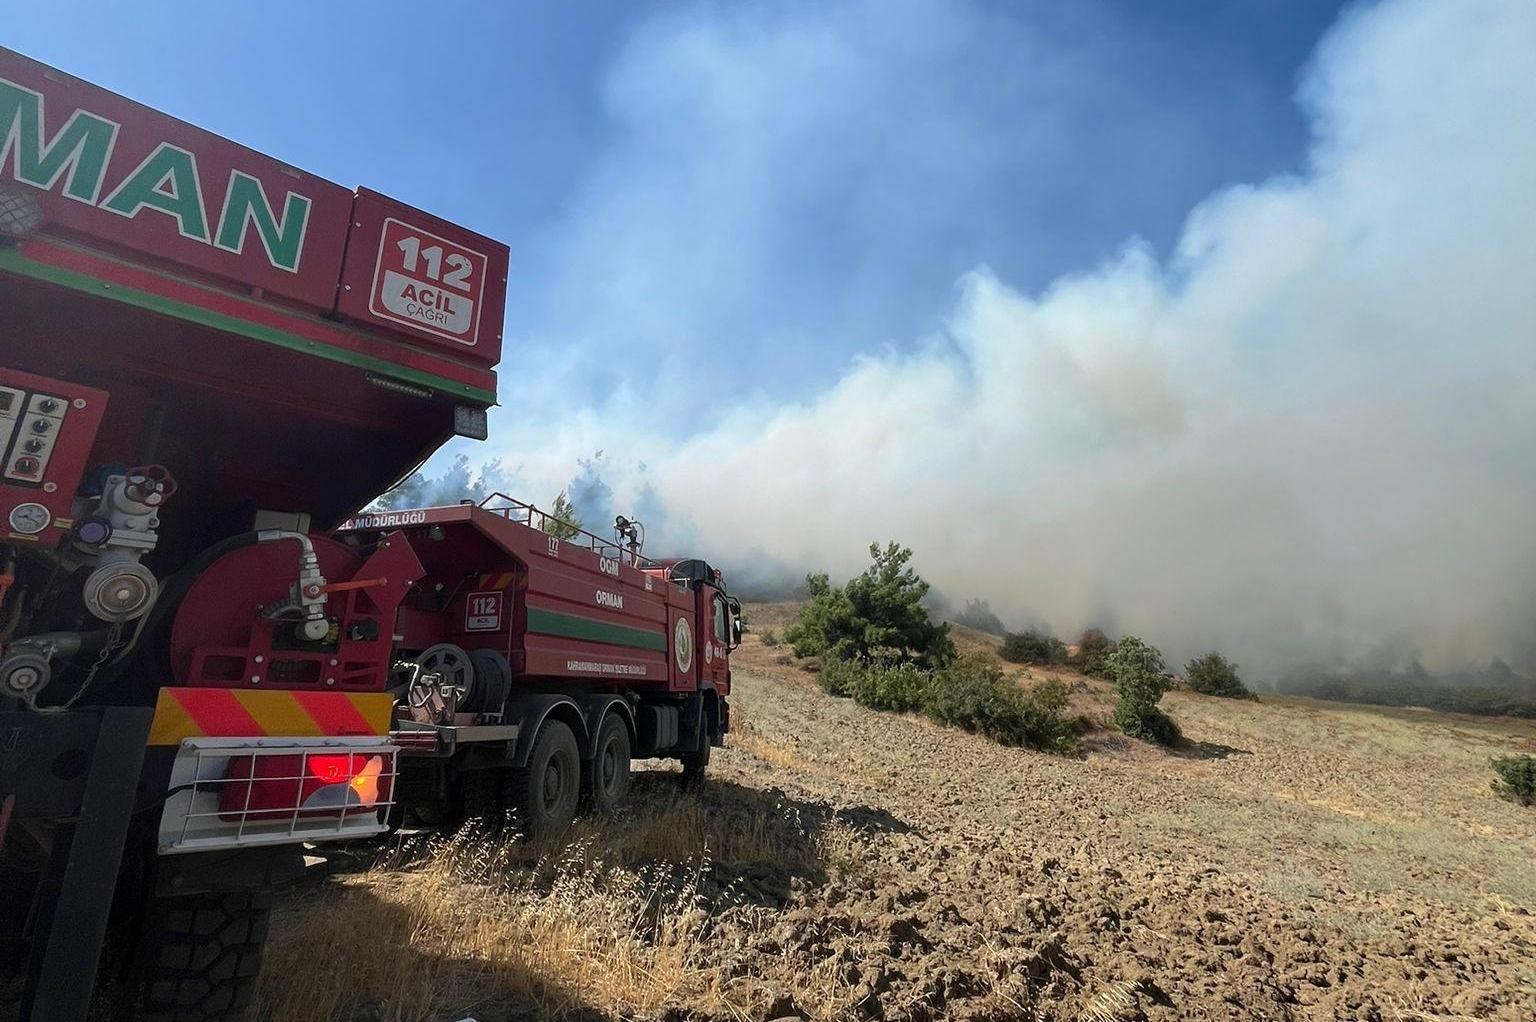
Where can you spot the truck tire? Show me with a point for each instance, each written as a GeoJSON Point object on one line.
{"type": "Point", "coordinates": [543, 794]}
{"type": "Point", "coordinates": [200, 956]}
{"type": "Point", "coordinates": [695, 763]}
{"type": "Point", "coordinates": [609, 782]}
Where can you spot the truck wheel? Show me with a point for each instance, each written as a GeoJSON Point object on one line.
{"type": "Point", "coordinates": [200, 956]}
{"type": "Point", "coordinates": [695, 763]}
{"type": "Point", "coordinates": [610, 765]}
{"type": "Point", "coordinates": [544, 793]}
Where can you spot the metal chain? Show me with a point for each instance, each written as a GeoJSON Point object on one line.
{"type": "Point", "coordinates": [114, 635]}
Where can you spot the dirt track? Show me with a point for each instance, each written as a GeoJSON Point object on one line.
{"type": "Point", "coordinates": [1303, 861]}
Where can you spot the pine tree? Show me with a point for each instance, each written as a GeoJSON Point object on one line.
{"type": "Point", "coordinates": [877, 614]}
{"type": "Point", "coordinates": [562, 522]}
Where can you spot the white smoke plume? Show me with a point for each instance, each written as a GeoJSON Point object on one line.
{"type": "Point", "coordinates": [1309, 434]}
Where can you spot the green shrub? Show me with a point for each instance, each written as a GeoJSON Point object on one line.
{"type": "Point", "coordinates": [1215, 675]}
{"type": "Point", "coordinates": [1137, 671]}
{"type": "Point", "coordinates": [1488, 693]}
{"type": "Point", "coordinates": [1149, 725]}
{"type": "Point", "coordinates": [1093, 649]}
{"type": "Point", "coordinates": [888, 685]}
{"type": "Point", "coordinates": [1052, 693]}
{"type": "Point", "coordinates": [893, 687]}
{"type": "Point", "coordinates": [1517, 779]}
{"type": "Point", "coordinates": [839, 677]}
{"type": "Point", "coordinates": [1033, 647]}
{"type": "Point", "coordinates": [973, 694]}
{"type": "Point", "coordinates": [877, 614]}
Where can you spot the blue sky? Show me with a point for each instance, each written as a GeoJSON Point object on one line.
{"type": "Point", "coordinates": [740, 197]}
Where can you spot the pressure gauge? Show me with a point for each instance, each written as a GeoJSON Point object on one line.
{"type": "Point", "coordinates": [29, 519]}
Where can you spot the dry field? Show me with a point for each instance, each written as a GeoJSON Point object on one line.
{"type": "Point", "coordinates": [1300, 860]}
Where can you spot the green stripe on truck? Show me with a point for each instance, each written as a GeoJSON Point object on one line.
{"type": "Point", "coordinates": [15, 262]}
{"type": "Point", "coordinates": [569, 626]}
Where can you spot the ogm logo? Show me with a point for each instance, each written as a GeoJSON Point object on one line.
{"type": "Point", "coordinates": [682, 644]}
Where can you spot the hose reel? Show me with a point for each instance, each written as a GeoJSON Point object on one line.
{"type": "Point", "coordinates": [450, 680]}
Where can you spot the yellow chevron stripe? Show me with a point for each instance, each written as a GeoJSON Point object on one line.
{"type": "Point", "coordinates": [171, 723]}
{"type": "Point", "coordinates": [378, 708]}
{"type": "Point", "coordinates": [277, 712]}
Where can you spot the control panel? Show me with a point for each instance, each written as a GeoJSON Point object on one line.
{"type": "Point", "coordinates": [47, 428]}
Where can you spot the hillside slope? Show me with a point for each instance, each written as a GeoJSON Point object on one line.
{"type": "Point", "coordinates": [1301, 860]}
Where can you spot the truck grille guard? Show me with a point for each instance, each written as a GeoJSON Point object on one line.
{"type": "Point", "coordinates": [241, 792]}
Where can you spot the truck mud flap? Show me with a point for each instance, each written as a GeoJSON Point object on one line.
{"type": "Point", "coordinates": [82, 766]}
{"type": "Point", "coordinates": [691, 733]}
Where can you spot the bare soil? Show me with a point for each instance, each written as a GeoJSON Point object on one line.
{"type": "Point", "coordinates": [1297, 860]}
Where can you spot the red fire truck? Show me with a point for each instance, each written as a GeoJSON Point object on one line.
{"type": "Point", "coordinates": [210, 361]}
{"type": "Point", "coordinates": [535, 660]}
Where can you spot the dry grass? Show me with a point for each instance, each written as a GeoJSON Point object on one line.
{"type": "Point", "coordinates": [753, 744]}
{"type": "Point", "coordinates": [676, 829]}
{"type": "Point", "coordinates": [609, 921]}
{"type": "Point", "coordinates": [1112, 1004]}
{"type": "Point", "coordinates": [461, 935]}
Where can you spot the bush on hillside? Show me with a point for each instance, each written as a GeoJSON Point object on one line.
{"type": "Point", "coordinates": [971, 693]}
{"type": "Point", "coordinates": [974, 694]}
{"type": "Point", "coordinates": [1093, 650]}
{"type": "Point", "coordinates": [1149, 725]}
{"type": "Point", "coordinates": [893, 687]}
{"type": "Point", "coordinates": [1516, 779]}
{"type": "Point", "coordinates": [1137, 670]}
{"type": "Point", "coordinates": [1215, 675]}
{"type": "Point", "coordinates": [877, 614]}
{"type": "Point", "coordinates": [1486, 694]}
{"type": "Point", "coordinates": [839, 677]}
{"type": "Point", "coordinates": [1051, 693]}
{"type": "Point", "coordinates": [978, 615]}
{"type": "Point", "coordinates": [1033, 647]}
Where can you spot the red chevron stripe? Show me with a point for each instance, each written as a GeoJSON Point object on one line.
{"type": "Point", "coordinates": [334, 713]}
{"type": "Point", "coordinates": [217, 713]}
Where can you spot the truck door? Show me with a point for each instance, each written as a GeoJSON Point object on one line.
{"type": "Point", "coordinates": [714, 638]}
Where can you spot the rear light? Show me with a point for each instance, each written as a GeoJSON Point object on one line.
{"type": "Point", "coordinates": [304, 785]}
